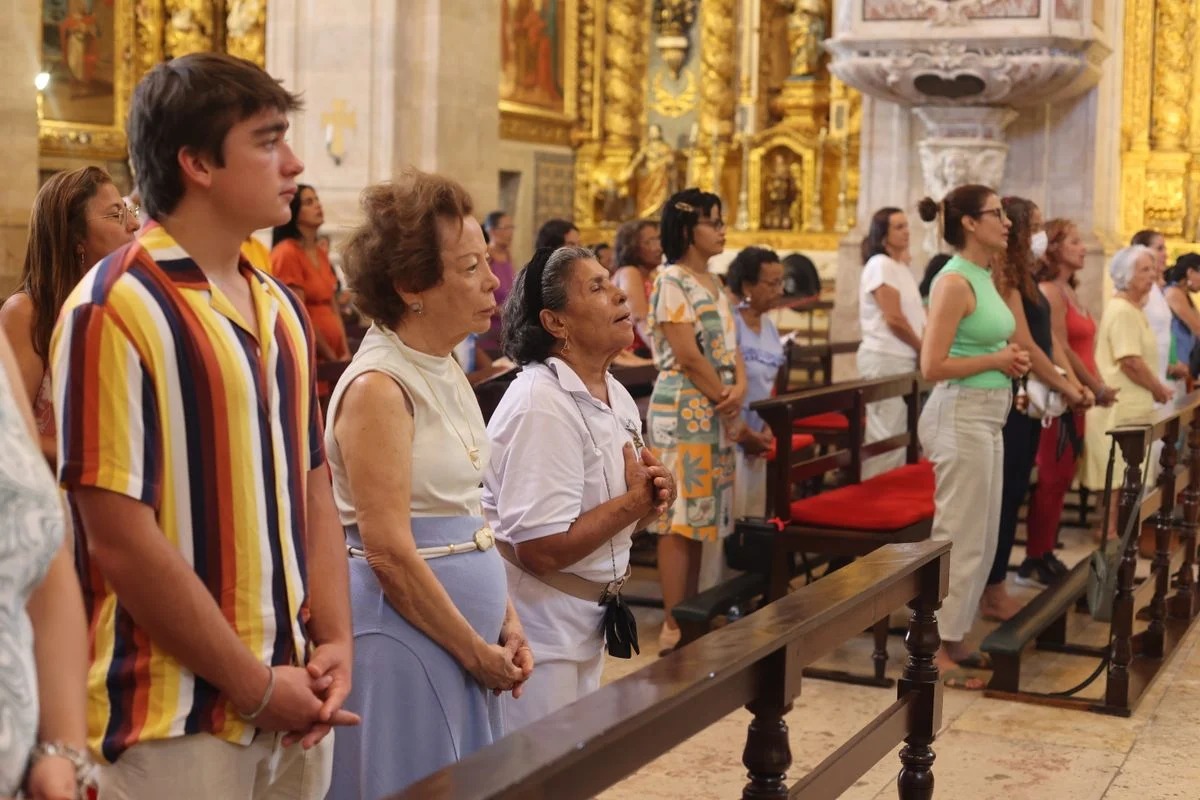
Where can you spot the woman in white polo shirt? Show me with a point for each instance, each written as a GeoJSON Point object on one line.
{"type": "Point", "coordinates": [569, 480]}
{"type": "Point", "coordinates": [892, 318]}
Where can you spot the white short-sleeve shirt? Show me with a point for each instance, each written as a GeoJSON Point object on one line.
{"type": "Point", "coordinates": [883, 270]}
{"type": "Point", "coordinates": [555, 454]}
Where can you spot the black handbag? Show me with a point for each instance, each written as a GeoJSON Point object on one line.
{"type": "Point", "coordinates": [620, 628]}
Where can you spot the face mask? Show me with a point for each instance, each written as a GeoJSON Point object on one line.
{"type": "Point", "coordinates": [1038, 243]}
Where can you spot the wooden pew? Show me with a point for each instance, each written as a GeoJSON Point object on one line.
{"type": "Point", "coordinates": [1136, 652]}
{"type": "Point", "coordinates": [858, 516]}
{"type": "Point", "coordinates": [829, 428]}
{"type": "Point", "coordinates": [756, 662]}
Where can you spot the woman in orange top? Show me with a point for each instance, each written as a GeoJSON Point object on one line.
{"type": "Point", "coordinates": [303, 266]}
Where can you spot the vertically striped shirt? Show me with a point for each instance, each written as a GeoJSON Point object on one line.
{"type": "Point", "coordinates": [164, 393]}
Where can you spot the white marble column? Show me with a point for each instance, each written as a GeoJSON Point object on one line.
{"type": "Point", "coordinates": [19, 133]}
{"type": "Point", "coordinates": [403, 82]}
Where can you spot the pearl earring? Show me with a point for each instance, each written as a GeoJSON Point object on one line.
{"type": "Point", "coordinates": [417, 308]}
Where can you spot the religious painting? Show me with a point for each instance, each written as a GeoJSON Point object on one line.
{"type": "Point", "coordinates": [84, 78]}
{"type": "Point", "coordinates": [538, 65]}
{"type": "Point", "coordinates": [79, 58]}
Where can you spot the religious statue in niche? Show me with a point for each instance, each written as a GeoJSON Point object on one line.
{"type": "Point", "coordinates": [805, 32]}
{"type": "Point", "coordinates": [781, 194]}
{"type": "Point", "coordinates": [655, 172]}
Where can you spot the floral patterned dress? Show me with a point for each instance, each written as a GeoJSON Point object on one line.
{"type": "Point", "coordinates": [684, 431]}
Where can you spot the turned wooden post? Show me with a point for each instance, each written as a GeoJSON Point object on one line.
{"type": "Point", "coordinates": [1183, 605]}
{"type": "Point", "coordinates": [1161, 568]}
{"type": "Point", "coordinates": [921, 676]}
{"type": "Point", "coordinates": [1134, 446]}
{"type": "Point", "coordinates": [768, 753]}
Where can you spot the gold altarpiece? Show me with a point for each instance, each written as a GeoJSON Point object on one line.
{"type": "Point", "coordinates": [746, 88]}
{"type": "Point", "coordinates": [1160, 125]}
{"type": "Point", "coordinates": [88, 120]}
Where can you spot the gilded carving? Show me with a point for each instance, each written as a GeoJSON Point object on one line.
{"type": "Point", "coordinates": [672, 21]}
{"type": "Point", "coordinates": [621, 74]}
{"type": "Point", "coordinates": [246, 29]}
{"type": "Point", "coordinates": [190, 27]}
{"type": "Point", "coordinates": [1172, 73]}
{"type": "Point", "coordinates": [587, 71]}
{"type": "Point", "coordinates": [718, 47]}
{"type": "Point", "coordinates": [805, 31]}
{"type": "Point", "coordinates": [673, 104]}
{"type": "Point", "coordinates": [1139, 43]}
{"type": "Point", "coordinates": [653, 172]}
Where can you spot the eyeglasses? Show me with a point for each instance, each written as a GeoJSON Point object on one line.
{"type": "Point", "coordinates": [122, 214]}
{"type": "Point", "coordinates": [999, 212]}
{"type": "Point", "coordinates": [717, 225]}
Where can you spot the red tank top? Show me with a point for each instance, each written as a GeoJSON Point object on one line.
{"type": "Point", "coordinates": [1081, 335]}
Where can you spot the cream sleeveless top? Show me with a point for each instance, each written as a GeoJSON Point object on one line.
{"type": "Point", "coordinates": [447, 426]}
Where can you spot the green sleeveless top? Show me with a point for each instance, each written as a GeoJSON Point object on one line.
{"type": "Point", "coordinates": [986, 329]}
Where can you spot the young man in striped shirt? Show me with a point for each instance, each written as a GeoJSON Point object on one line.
{"type": "Point", "coordinates": [211, 557]}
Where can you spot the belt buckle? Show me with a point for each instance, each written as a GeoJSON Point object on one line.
{"type": "Point", "coordinates": [484, 539]}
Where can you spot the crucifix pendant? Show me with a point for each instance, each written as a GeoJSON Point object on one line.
{"type": "Point", "coordinates": [473, 454]}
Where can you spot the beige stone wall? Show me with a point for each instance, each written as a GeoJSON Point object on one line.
{"type": "Point", "coordinates": [420, 78]}
{"type": "Point", "coordinates": [18, 136]}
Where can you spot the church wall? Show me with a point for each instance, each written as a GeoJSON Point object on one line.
{"type": "Point", "coordinates": [411, 88]}
{"type": "Point", "coordinates": [19, 133]}
{"type": "Point", "coordinates": [536, 183]}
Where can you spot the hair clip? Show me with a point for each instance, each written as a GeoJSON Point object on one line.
{"type": "Point", "coordinates": [686, 208]}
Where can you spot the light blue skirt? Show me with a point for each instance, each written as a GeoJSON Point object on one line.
{"type": "Point", "coordinates": [420, 709]}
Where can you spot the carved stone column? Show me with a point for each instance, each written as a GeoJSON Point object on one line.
{"type": "Point", "coordinates": [962, 145]}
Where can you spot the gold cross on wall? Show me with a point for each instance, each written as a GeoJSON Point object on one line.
{"type": "Point", "coordinates": [336, 122]}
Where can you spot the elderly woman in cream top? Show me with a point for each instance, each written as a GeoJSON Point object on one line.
{"type": "Point", "coordinates": [568, 481]}
{"type": "Point", "coordinates": [435, 638]}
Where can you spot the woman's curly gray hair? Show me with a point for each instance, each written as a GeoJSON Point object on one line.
{"type": "Point", "coordinates": [1124, 264]}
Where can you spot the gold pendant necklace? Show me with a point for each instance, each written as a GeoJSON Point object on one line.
{"type": "Point", "coordinates": [472, 451]}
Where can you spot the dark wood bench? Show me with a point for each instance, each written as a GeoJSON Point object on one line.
{"type": "Point", "coordinates": [828, 428]}
{"type": "Point", "coordinates": [756, 663]}
{"type": "Point", "coordinates": [859, 516]}
{"type": "Point", "coordinates": [1136, 651]}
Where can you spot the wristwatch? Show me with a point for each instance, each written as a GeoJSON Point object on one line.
{"type": "Point", "coordinates": [86, 787]}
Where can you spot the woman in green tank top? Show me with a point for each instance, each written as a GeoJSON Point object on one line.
{"type": "Point", "coordinates": [966, 350]}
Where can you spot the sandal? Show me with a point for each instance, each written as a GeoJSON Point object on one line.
{"type": "Point", "coordinates": [964, 679]}
{"type": "Point", "coordinates": [976, 660]}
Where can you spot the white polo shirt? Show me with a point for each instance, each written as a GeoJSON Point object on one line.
{"type": "Point", "coordinates": [556, 453]}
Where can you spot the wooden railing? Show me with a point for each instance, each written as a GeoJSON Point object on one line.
{"type": "Point", "coordinates": [755, 662]}
{"type": "Point", "coordinates": [1148, 619]}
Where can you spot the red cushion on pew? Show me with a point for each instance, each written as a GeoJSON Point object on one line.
{"type": "Point", "coordinates": [833, 420]}
{"type": "Point", "coordinates": [896, 499]}
{"type": "Point", "coordinates": [800, 441]}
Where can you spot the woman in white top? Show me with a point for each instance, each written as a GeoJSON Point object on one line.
{"type": "Point", "coordinates": [569, 480]}
{"type": "Point", "coordinates": [435, 638]}
{"type": "Point", "coordinates": [892, 317]}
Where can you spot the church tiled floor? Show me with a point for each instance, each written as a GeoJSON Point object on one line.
{"type": "Point", "coordinates": [986, 749]}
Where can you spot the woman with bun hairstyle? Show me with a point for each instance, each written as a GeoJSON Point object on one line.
{"type": "Point", "coordinates": [966, 350]}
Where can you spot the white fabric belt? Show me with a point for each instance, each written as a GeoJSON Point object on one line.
{"type": "Point", "coordinates": [484, 539]}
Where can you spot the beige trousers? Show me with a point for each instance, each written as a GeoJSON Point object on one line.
{"type": "Point", "coordinates": [203, 767]}
{"type": "Point", "coordinates": [960, 429]}
{"type": "Point", "coordinates": [887, 417]}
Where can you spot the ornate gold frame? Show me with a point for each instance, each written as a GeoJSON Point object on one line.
{"type": "Point", "coordinates": [89, 140]}
{"type": "Point", "coordinates": [764, 144]}
{"type": "Point", "coordinates": [527, 123]}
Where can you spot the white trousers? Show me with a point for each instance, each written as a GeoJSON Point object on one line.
{"type": "Point", "coordinates": [552, 685]}
{"type": "Point", "coordinates": [960, 429]}
{"type": "Point", "coordinates": [204, 767]}
{"type": "Point", "coordinates": [887, 417]}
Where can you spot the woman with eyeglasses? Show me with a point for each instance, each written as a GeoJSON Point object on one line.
{"type": "Point", "coordinates": [966, 350]}
{"type": "Point", "coordinates": [695, 409]}
{"type": "Point", "coordinates": [78, 218]}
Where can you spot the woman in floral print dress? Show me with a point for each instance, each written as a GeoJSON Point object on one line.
{"type": "Point", "coordinates": [694, 411]}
